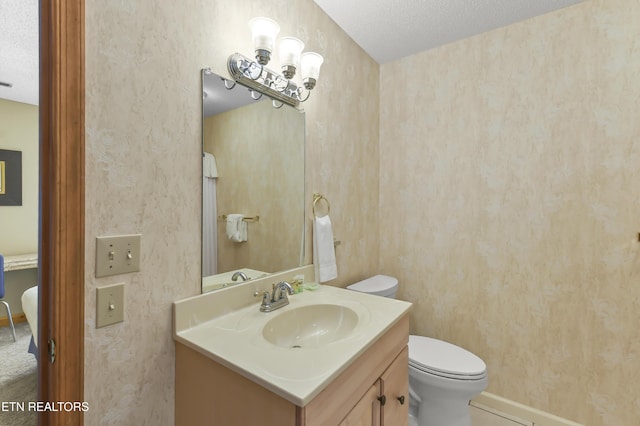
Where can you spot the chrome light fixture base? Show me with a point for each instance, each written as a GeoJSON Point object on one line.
{"type": "Point", "coordinates": [263, 56]}
{"type": "Point", "coordinates": [310, 83]}
{"type": "Point", "coordinates": [259, 78]}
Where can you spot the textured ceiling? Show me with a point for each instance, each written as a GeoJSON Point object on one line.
{"type": "Point", "coordinates": [392, 29]}
{"type": "Point", "coordinates": [19, 50]}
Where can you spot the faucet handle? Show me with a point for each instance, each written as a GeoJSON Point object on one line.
{"type": "Point", "coordinates": [266, 306]}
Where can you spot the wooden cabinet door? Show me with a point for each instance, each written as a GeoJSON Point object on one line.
{"type": "Point", "coordinates": [367, 411]}
{"type": "Point", "coordinates": [394, 384]}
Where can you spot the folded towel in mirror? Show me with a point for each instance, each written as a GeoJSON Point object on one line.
{"type": "Point", "coordinates": [236, 228]}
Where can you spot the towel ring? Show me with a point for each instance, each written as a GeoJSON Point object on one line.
{"type": "Point", "coordinates": [317, 197]}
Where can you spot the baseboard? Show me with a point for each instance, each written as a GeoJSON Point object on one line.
{"type": "Point", "coordinates": [17, 318]}
{"type": "Point", "coordinates": [528, 415]}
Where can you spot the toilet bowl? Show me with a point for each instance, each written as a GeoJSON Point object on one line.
{"type": "Point", "coordinates": [443, 377]}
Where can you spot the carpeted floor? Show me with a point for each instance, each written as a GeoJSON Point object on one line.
{"type": "Point", "coordinates": [18, 376]}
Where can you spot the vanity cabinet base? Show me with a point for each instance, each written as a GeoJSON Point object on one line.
{"type": "Point", "coordinates": [208, 393]}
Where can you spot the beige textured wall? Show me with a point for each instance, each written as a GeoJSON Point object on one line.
{"type": "Point", "coordinates": [19, 224]}
{"type": "Point", "coordinates": [19, 132]}
{"type": "Point", "coordinates": [143, 137]}
{"type": "Point", "coordinates": [260, 161]}
{"type": "Point", "coordinates": [509, 204]}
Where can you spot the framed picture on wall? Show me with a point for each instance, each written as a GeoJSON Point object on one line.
{"type": "Point", "coordinates": [10, 178]}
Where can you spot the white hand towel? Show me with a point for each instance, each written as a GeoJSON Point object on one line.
{"type": "Point", "coordinates": [324, 254]}
{"type": "Point", "coordinates": [236, 228]}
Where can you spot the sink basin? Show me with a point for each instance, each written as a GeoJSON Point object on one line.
{"type": "Point", "coordinates": [310, 326]}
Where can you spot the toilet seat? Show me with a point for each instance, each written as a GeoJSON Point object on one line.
{"type": "Point", "coordinates": [444, 359]}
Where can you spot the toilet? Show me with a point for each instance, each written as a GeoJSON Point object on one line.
{"type": "Point", "coordinates": [443, 377]}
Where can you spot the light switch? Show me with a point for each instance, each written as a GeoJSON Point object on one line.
{"type": "Point", "coordinates": [117, 255]}
{"type": "Point", "coordinates": [109, 305]}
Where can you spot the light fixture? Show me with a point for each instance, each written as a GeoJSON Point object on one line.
{"type": "Point", "coordinates": [256, 76]}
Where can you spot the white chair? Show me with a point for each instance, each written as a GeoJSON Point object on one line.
{"type": "Point", "coordinates": [30, 309]}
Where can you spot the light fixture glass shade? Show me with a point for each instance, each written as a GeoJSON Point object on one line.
{"type": "Point", "coordinates": [310, 68]}
{"type": "Point", "coordinates": [290, 49]}
{"type": "Point", "coordinates": [263, 35]}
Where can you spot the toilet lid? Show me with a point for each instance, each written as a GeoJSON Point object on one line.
{"type": "Point", "coordinates": [445, 359]}
{"type": "Point", "coordinates": [379, 284]}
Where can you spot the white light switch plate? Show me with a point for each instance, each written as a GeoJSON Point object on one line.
{"type": "Point", "coordinates": [117, 255]}
{"type": "Point", "coordinates": [109, 305]}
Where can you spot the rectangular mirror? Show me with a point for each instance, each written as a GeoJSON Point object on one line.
{"type": "Point", "coordinates": [253, 184]}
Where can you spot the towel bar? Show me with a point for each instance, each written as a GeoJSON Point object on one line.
{"type": "Point", "coordinates": [255, 218]}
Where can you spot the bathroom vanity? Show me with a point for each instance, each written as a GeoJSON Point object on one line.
{"type": "Point", "coordinates": [330, 357]}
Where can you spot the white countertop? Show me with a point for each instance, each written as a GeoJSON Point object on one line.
{"type": "Point", "coordinates": [234, 339]}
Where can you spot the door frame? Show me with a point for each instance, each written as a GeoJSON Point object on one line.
{"type": "Point", "coordinates": [61, 230]}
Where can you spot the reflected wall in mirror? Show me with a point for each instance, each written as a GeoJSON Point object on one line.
{"type": "Point", "coordinates": [253, 165]}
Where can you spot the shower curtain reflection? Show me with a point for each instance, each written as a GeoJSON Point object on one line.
{"type": "Point", "coordinates": [209, 216]}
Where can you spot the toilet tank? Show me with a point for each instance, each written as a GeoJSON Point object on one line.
{"type": "Point", "coordinates": [380, 285]}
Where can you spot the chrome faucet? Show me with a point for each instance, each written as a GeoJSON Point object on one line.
{"type": "Point", "coordinates": [240, 274]}
{"type": "Point", "coordinates": [278, 298]}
